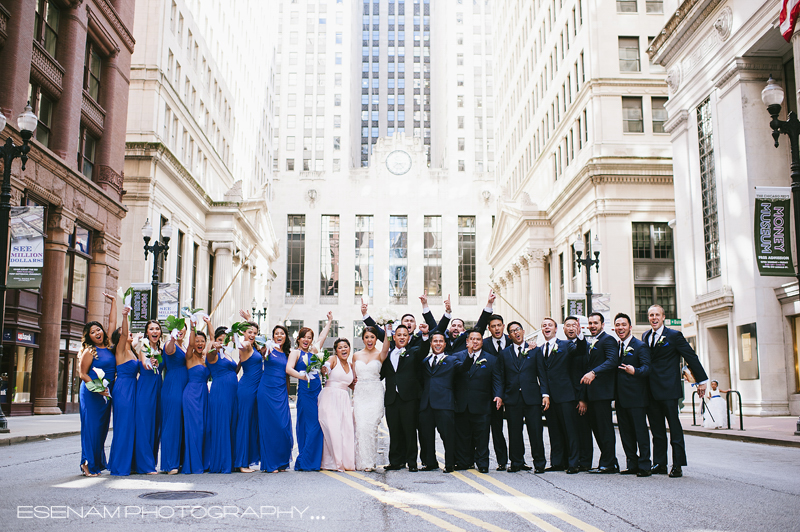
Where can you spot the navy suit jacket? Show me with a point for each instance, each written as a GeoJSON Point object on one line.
{"type": "Point", "coordinates": [404, 382]}
{"type": "Point", "coordinates": [559, 378]}
{"type": "Point", "coordinates": [438, 381]}
{"type": "Point", "coordinates": [525, 377]}
{"type": "Point", "coordinates": [455, 345]}
{"type": "Point", "coordinates": [578, 368]}
{"type": "Point", "coordinates": [490, 347]}
{"type": "Point", "coordinates": [665, 364]}
{"type": "Point", "coordinates": [480, 384]}
{"type": "Point", "coordinates": [603, 359]}
{"type": "Point", "coordinates": [632, 390]}
{"type": "Point", "coordinates": [416, 338]}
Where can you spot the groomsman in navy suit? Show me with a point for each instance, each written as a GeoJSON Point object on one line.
{"type": "Point", "coordinates": [494, 345]}
{"type": "Point", "coordinates": [526, 395]}
{"type": "Point", "coordinates": [562, 416]}
{"type": "Point", "coordinates": [578, 367]}
{"type": "Point", "coordinates": [667, 347]}
{"type": "Point", "coordinates": [437, 402]}
{"type": "Point", "coordinates": [632, 398]}
{"type": "Point", "coordinates": [408, 320]}
{"type": "Point", "coordinates": [479, 393]}
{"type": "Point", "coordinates": [456, 337]}
{"type": "Point", "coordinates": [603, 359]}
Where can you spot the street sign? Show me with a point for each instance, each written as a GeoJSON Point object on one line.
{"type": "Point", "coordinates": [672, 322]}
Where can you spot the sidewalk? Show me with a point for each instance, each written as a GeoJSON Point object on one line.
{"type": "Point", "coordinates": [768, 430]}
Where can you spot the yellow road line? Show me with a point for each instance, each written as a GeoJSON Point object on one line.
{"type": "Point", "coordinates": [441, 523]}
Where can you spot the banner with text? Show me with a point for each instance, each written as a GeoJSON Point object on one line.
{"type": "Point", "coordinates": [771, 236]}
{"type": "Point", "coordinates": [168, 300]}
{"type": "Point", "coordinates": [26, 254]}
{"type": "Point", "coordinates": [140, 303]}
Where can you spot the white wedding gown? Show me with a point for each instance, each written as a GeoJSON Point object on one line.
{"type": "Point", "coordinates": [368, 411]}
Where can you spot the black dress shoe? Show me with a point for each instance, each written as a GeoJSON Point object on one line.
{"type": "Point", "coordinates": [659, 470]}
{"type": "Point", "coordinates": [584, 469]}
{"type": "Point", "coordinates": [412, 469]}
{"type": "Point", "coordinates": [430, 468]}
{"type": "Point", "coordinates": [448, 469]}
{"type": "Point", "coordinates": [604, 470]}
{"type": "Point", "coordinates": [525, 467]}
{"type": "Point", "coordinates": [538, 470]}
{"type": "Point", "coordinates": [513, 469]}
{"type": "Point", "coordinates": [554, 468]}
{"type": "Point", "coordinates": [501, 467]}
{"type": "Point", "coordinates": [643, 473]}
{"type": "Point", "coordinates": [675, 472]}
{"type": "Point", "coordinates": [393, 467]}
{"type": "Point", "coordinates": [483, 470]}
{"type": "Point", "coordinates": [629, 472]}
{"type": "Point", "coordinates": [573, 470]}
{"type": "Point", "coordinates": [461, 468]}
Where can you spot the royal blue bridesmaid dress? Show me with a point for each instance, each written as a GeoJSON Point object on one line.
{"type": "Point", "coordinates": [175, 380]}
{"type": "Point", "coordinates": [222, 414]}
{"type": "Point", "coordinates": [274, 419]}
{"type": "Point", "coordinates": [148, 419]}
{"type": "Point", "coordinates": [195, 415]}
{"type": "Point", "coordinates": [96, 413]}
{"type": "Point", "coordinates": [247, 447]}
{"type": "Point", "coordinates": [120, 461]}
{"type": "Point", "coordinates": [309, 432]}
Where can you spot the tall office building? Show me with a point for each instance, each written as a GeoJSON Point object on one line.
{"type": "Point", "coordinates": [376, 195]}
{"type": "Point", "coordinates": [199, 151]}
{"type": "Point", "coordinates": [582, 154]}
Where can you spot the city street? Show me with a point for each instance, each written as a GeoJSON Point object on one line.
{"type": "Point", "coordinates": [728, 486]}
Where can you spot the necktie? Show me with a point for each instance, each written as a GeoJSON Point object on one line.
{"type": "Point", "coordinates": [519, 351]}
{"type": "Point", "coordinates": [621, 350]}
{"type": "Point", "coordinates": [653, 339]}
{"type": "Point", "coordinates": [498, 346]}
{"type": "Point", "coordinates": [546, 350]}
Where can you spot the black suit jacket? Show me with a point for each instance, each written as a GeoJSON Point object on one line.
{"type": "Point", "coordinates": [632, 389]}
{"type": "Point", "coordinates": [578, 367]}
{"type": "Point", "coordinates": [404, 382]}
{"type": "Point", "coordinates": [480, 384]}
{"type": "Point", "coordinates": [524, 378]}
{"type": "Point", "coordinates": [490, 347]}
{"type": "Point", "coordinates": [416, 338]}
{"type": "Point", "coordinates": [603, 359]}
{"type": "Point", "coordinates": [665, 364]}
{"type": "Point", "coordinates": [438, 382]}
{"type": "Point", "coordinates": [559, 377]}
{"type": "Point", "coordinates": [455, 345]}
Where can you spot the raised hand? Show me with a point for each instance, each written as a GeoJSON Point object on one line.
{"type": "Point", "coordinates": [364, 307]}
{"type": "Point", "coordinates": [492, 297]}
{"type": "Point", "coordinates": [423, 328]}
{"type": "Point", "coordinates": [447, 307]}
{"type": "Point", "coordinates": [125, 311]}
{"type": "Point", "coordinates": [245, 314]}
{"type": "Point", "coordinates": [109, 296]}
{"type": "Point", "coordinates": [389, 329]}
{"type": "Point", "coordinates": [330, 316]}
{"type": "Point", "coordinates": [424, 300]}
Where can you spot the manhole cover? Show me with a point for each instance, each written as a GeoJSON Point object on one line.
{"type": "Point", "coordinates": [176, 495]}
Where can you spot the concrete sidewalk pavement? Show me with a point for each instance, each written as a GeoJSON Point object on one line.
{"type": "Point", "coordinates": [33, 428]}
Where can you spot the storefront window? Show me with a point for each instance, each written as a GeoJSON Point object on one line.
{"type": "Point", "coordinates": [22, 382]}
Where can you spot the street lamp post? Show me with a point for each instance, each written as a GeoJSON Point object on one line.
{"type": "Point", "coordinates": [26, 122]}
{"type": "Point", "coordinates": [157, 248]}
{"type": "Point", "coordinates": [588, 262]}
{"type": "Point", "coordinates": [772, 96]}
{"type": "Point", "coordinates": [261, 314]}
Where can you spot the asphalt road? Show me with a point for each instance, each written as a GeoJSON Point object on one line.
{"type": "Point", "coordinates": [728, 486]}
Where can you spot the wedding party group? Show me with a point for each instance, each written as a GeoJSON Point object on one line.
{"type": "Point", "coordinates": [189, 398]}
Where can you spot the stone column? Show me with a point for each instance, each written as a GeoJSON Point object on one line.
{"type": "Point", "coordinates": [525, 290]}
{"type": "Point", "coordinates": [223, 273]}
{"type": "Point", "coordinates": [511, 295]}
{"type": "Point", "coordinates": [60, 225]}
{"type": "Point", "coordinates": [538, 288]}
{"type": "Point", "coordinates": [98, 270]}
{"type": "Point", "coordinates": [796, 54]}
{"type": "Point", "coordinates": [15, 61]}
{"type": "Point", "coordinates": [500, 289]}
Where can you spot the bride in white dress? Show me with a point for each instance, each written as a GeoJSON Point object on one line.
{"type": "Point", "coordinates": [368, 397]}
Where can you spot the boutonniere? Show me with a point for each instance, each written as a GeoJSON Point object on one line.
{"type": "Point", "coordinates": [403, 352]}
{"type": "Point", "coordinates": [481, 361]}
{"type": "Point", "coordinates": [629, 350]}
{"type": "Point", "coordinates": [662, 342]}
{"type": "Point", "coordinates": [555, 348]}
{"type": "Point", "coordinates": [591, 346]}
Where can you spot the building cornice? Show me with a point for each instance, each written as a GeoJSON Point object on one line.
{"type": "Point", "coordinates": [715, 301]}
{"type": "Point", "coordinates": [680, 27]}
{"type": "Point", "coordinates": [788, 292]}
{"type": "Point", "coordinates": [678, 123]}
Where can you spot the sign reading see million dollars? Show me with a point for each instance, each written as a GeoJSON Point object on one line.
{"type": "Point", "coordinates": [26, 257]}
{"type": "Point", "coordinates": [771, 237]}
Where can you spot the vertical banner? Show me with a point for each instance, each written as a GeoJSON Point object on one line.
{"type": "Point", "coordinates": [140, 302]}
{"type": "Point", "coordinates": [168, 300]}
{"type": "Point", "coordinates": [771, 235]}
{"type": "Point", "coordinates": [26, 253]}
{"type": "Point", "coordinates": [576, 304]}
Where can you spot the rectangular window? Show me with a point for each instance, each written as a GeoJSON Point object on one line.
{"type": "Point", "coordinates": [42, 107]}
{"type": "Point", "coordinates": [466, 257]}
{"type": "Point", "coordinates": [629, 54]}
{"type": "Point", "coordinates": [46, 30]}
{"type": "Point", "coordinates": [626, 6]}
{"type": "Point", "coordinates": [708, 186]}
{"type": "Point", "coordinates": [76, 266]}
{"type": "Point", "coordinates": [632, 121]}
{"type": "Point", "coordinates": [654, 6]}
{"type": "Point", "coordinates": [646, 296]}
{"type": "Point", "coordinates": [295, 254]}
{"type": "Point", "coordinates": [365, 256]}
{"type": "Point", "coordinates": [329, 257]}
{"type": "Point", "coordinates": [289, 165]}
{"type": "Point", "coordinates": [432, 264]}
{"type": "Point", "coordinates": [91, 71]}
{"type": "Point", "coordinates": [87, 145]}
{"type": "Point", "coordinates": [398, 259]}
{"type": "Point", "coordinates": [659, 114]}
{"type": "Point", "coordinates": [179, 268]}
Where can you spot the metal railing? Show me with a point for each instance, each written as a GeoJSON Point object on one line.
{"type": "Point", "coordinates": [727, 408]}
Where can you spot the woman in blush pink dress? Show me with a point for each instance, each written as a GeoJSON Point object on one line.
{"type": "Point", "coordinates": [336, 411]}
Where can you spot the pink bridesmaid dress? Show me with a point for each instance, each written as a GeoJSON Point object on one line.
{"type": "Point", "coordinates": [336, 420]}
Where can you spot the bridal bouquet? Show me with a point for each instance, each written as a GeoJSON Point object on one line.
{"type": "Point", "coordinates": [100, 384]}
{"type": "Point", "coordinates": [314, 364]}
{"type": "Point", "coordinates": [384, 316]}
{"type": "Point", "coordinates": [233, 336]}
{"type": "Point", "coordinates": [153, 354]}
{"type": "Point", "coordinates": [174, 324]}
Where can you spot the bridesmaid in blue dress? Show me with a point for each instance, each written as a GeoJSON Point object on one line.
{"type": "Point", "coordinates": [247, 450]}
{"type": "Point", "coordinates": [195, 405]}
{"type": "Point", "coordinates": [274, 418]}
{"type": "Point", "coordinates": [175, 380]}
{"type": "Point", "coordinates": [221, 404]}
{"type": "Point", "coordinates": [148, 403]}
{"type": "Point", "coordinates": [95, 407]}
{"type": "Point", "coordinates": [309, 432]}
{"type": "Point", "coordinates": [120, 461]}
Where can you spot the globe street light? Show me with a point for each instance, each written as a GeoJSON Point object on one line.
{"type": "Point", "coordinates": [157, 248]}
{"type": "Point", "coordinates": [588, 262]}
{"type": "Point", "coordinates": [261, 314]}
{"type": "Point", "coordinates": [9, 151]}
{"type": "Point", "coordinates": [772, 96]}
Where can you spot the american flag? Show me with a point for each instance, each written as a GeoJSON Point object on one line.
{"type": "Point", "coordinates": [789, 12]}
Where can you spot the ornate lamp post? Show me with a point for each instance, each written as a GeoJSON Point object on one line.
{"type": "Point", "coordinates": [772, 96]}
{"type": "Point", "coordinates": [27, 122]}
{"type": "Point", "coordinates": [588, 262]}
{"type": "Point", "coordinates": [261, 314]}
{"type": "Point", "coordinates": [157, 248]}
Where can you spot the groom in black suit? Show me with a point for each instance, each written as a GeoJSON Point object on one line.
{"type": "Point", "coordinates": [494, 345]}
{"type": "Point", "coordinates": [667, 347]}
{"type": "Point", "coordinates": [408, 320]}
{"type": "Point", "coordinates": [437, 404]}
{"type": "Point", "coordinates": [401, 400]}
{"type": "Point", "coordinates": [603, 359]}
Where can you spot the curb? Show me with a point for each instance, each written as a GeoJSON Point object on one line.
{"type": "Point", "coordinates": [41, 437]}
{"type": "Point", "coordinates": [743, 438]}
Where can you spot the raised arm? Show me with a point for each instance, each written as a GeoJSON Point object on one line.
{"type": "Point", "coordinates": [386, 344]}
{"type": "Point", "coordinates": [369, 322]}
{"type": "Point", "coordinates": [483, 320]}
{"type": "Point", "coordinates": [169, 348]}
{"type": "Point", "coordinates": [427, 315]}
{"type": "Point", "coordinates": [324, 334]}
{"type": "Point", "coordinates": [291, 362]}
{"type": "Point", "coordinates": [123, 337]}
{"type": "Point", "coordinates": [112, 316]}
